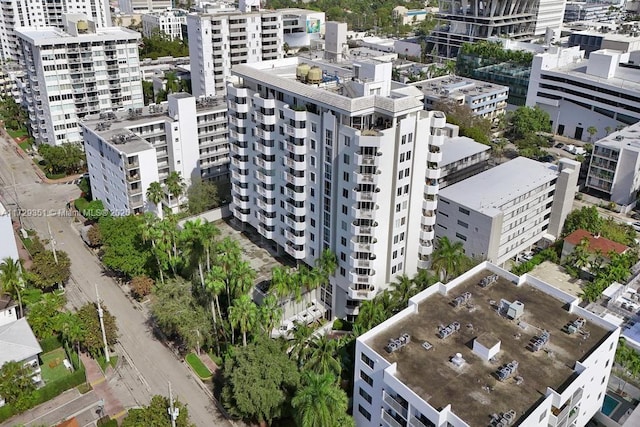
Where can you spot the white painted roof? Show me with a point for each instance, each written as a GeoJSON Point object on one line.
{"type": "Point", "coordinates": [458, 148]}
{"type": "Point", "coordinates": [17, 342]}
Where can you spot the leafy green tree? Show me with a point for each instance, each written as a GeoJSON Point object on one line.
{"type": "Point", "coordinates": [319, 402]}
{"type": "Point", "coordinates": [44, 316]}
{"type": "Point", "coordinates": [16, 384]}
{"type": "Point", "coordinates": [141, 286]}
{"type": "Point", "coordinates": [46, 273]}
{"type": "Point", "coordinates": [423, 279]}
{"type": "Point", "coordinates": [373, 312]}
{"type": "Point", "coordinates": [123, 250]}
{"type": "Point", "coordinates": [586, 218]}
{"type": "Point", "coordinates": [13, 114]}
{"type": "Point", "coordinates": [243, 314]}
{"type": "Point", "coordinates": [447, 258]}
{"type": "Point", "coordinates": [147, 92]}
{"type": "Point", "coordinates": [202, 196]}
{"type": "Point", "coordinates": [172, 84]}
{"type": "Point", "coordinates": [526, 120]}
{"type": "Point", "coordinates": [470, 125]}
{"type": "Point", "coordinates": [11, 280]}
{"type": "Point", "coordinates": [160, 44]}
{"type": "Point", "coordinates": [71, 329]}
{"type": "Point", "coordinates": [259, 381]}
{"type": "Point", "coordinates": [67, 158]}
{"type": "Point", "coordinates": [156, 415]}
{"type": "Point", "coordinates": [92, 339]}
{"type": "Point", "coordinates": [270, 314]}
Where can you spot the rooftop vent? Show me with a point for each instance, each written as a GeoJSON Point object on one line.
{"type": "Point", "coordinates": [507, 370]}
{"type": "Point", "coordinates": [511, 310]}
{"type": "Point", "coordinates": [576, 325]}
{"type": "Point", "coordinates": [488, 281]}
{"type": "Point", "coordinates": [450, 329]}
{"type": "Point", "coordinates": [540, 341]}
{"type": "Point", "coordinates": [397, 344]}
{"type": "Point", "coordinates": [458, 360]}
{"type": "Point", "coordinates": [462, 299]}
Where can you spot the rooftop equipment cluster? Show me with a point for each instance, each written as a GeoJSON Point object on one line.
{"type": "Point", "coordinates": [445, 331]}
{"type": "Point", "coordinates": [576, 325]}
{"type": "Point", "coordinates": [507, 370]}
{"type": "Point", "coordinates": [503, 420]}
{"type": "Point", "coordinates": [540, 341]}
{"type": "Point", "coordinates": [488, 281]}
{"type": "Point", "coordinates": [462, 299]}
{"type": "Point", "coordinates": [398, 343]}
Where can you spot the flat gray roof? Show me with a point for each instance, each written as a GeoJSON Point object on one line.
{"type": "Point", "coordinates": [431, 375]}
{"type": "Point", "coordinates": [625, 78]}
{"type": "Point", "coordinates": [17, 342]}
{"type": "Point", "coordinates": [455, 85]}
{"type": "Point", "coordinates": [627, 138]}
{"type": "Point", "coordinates": [460, 147]}
{"type": "Point", "coordinates": [489, 190]}
{"type": "Point", "coordinates": [40, 36]}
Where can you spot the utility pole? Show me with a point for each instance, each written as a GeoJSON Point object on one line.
{"type": "Point", "coordinates": [104, 334]}
{"type": "Point", "coordinates": [53, 245]}
{"type": "Point", "coordinates": [173, 412]}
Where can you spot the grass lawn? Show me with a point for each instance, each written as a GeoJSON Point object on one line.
{"type": "Point", "coordinates": [113, 361]}
{"type": "Point", "coordinates": [52, 366]}
{"type": "Point", "coordinates": [17, 133]}
{"type": "Point", "coordinates": [198, 367]}
{"type": "Point", "coordinates": [26, 144]}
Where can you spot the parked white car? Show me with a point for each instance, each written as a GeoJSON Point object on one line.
{"type": "Point", "coordinates": [570, 148]}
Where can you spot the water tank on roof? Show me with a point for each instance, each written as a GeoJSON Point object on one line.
{"type": "Point", "coordinates": [82, 26]}
{"type": "Point", "coordinates": [314, 75]}
{"type": "Point", "coordinates": [301, 71]}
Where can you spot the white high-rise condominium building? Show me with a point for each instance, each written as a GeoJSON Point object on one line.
{"type": "Point", "coordinates": [468, 21]}
{"type": "Point", "coordinates": [169, 22]}
{"type": "Point", "coordinates": [220, 40]}
{"type": "Point", "coordinates": [42, 13]}
{"type": "Point", "coordinates": [143, 6]}
{"type": "Point", "coordinates": [127, 150]}
{"type": "Point", "coordinates": [77, 71]}
{"type": "Point", "coordinates": [328, 155]}
{"type": "Point", "coordinates": [488, 348]}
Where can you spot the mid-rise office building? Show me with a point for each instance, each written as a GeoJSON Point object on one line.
{"type": "Point", "coordinates": [590, 40]}
{"type": "Point", "coordinates": [488, 348]}
{"type": "Point", "coordinates": [500, 212]}
{"type": "Point", "coordinates": [325, 154]}
{"type": "Point", "coordinates": [127, 150]}
{"type": "Point", "coordinates": [220, 40]}
{"type": "Point", "coordinates": [80, 70]}
{"type": "Point", "coordinates": [591, 11]}
{"type": "Point", "coordinates": [136, 7]}
{"type": "Point", "coordinates": [486, 100]}
{"type": "Point", "coordinates": [614, 168]}
{"type": "Point", "coordinates": [170, 22]}
{"type": "Point", "coordinates": [516, 20]}
{"type": "Point", "coordinates": [43, 13]}
{"type": "Point", "coordinates": [602, 91]}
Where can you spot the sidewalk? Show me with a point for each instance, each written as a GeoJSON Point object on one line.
{"type": "Point", "coordinates": [210, 364]}
{"type": "Point", "coordinates": [112, 405]}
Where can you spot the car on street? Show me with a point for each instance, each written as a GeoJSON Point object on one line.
{"type": "Point", "coordinates": [559, 145]}
{"type": "Point", "coordinates": [636, 225]}
{"type": "Point", "coordinates": [527, 256]}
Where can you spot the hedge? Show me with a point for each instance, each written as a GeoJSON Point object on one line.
{"type": "Point", "coordinates": [49, 344]}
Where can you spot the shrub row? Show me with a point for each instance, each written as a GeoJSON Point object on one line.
{"type": "Point", "coordinates": [49, 344]}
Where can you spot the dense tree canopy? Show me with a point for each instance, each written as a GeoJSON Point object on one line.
{"type": "Point", "coordinates": [204, 195]}
{"type": "Point", "coordinates": [527, 120]}
{"type": "Point", "coordinates": [92, 342]}
{"type": "Point", "coordinates": [16, 384]}
{"type": "Point", "coordinates": [156, 415]}
{"type": "Point", "coordinates": [122, 247]}
{"type": "Point", "coordinates": [67, 158]}
{"type": "Point", "coordinates": [472, 126]}
{"type": "Point", "coordinates": [160, 44]}
{"type": "Point", "coordinates": [46, 272]}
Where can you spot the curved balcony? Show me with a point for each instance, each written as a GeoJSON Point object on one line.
{"type": "Point", "coordinates": [240, 164]}
{"type": "Point", "coordinates": [265, 164]}
{"type": "Point", "coordinates": [265, 233]}
{"type": "Point", "coordinates": [437, 140]}
{"type": "Point", "coordinates": [296, 149]}
{"type": "Point", "coordinates": [235, 176]}
{"type": "Point", "coordinates": [363, 279]}
{"type": "Point", "coordinates": [367, 178]}
{"type": "Point", "coordinates": [266, 119]}
{"type": "Point", "coordinates": [242, 137]}
{"type": "Point", "coordinates": [430, 205]}
{"type": "Point", "coordinates": [266, 134]}
{"type": "Point", "coordinates": [434, 157]}
{"type": "Point", "coordinates": [296, 240]}
{"type": "Point", "coordinates": [238, 122]}
{"type": "Point", "coordinates": [367, 160]}
{"type": "Point", "coordinates": [263, 102]}
{"type": "Point", "coordinates": [428, 221]}
{"type": "Point", "coordinates": [294, 164]}
{"type": "Point", "coordinates": [295, 252]}
{"type": "Point", "coordinates": [238, 150]}
{"type": "Point", "coordinates": [439, 120]}
{"type": "Point", "coordinates": [424, 263]}
{"type": "Point", "coordinates": [363, 213]}
{"type": "Point", "coordinates": [425, 250]}
{"type": "Point", "coordinates": [431, 188]}
{"type": "Point", "coordinates": [267, 207]}
{"type": "Point", "coordinates": [296, 132]}
{"type": "Point", "coordinates": [362, 230]}
{"type": "Point", "coordinates": [290, 113]}
{"type": "Point", "coordinates": [366, 196]}
{"type": "Point", "coordinates": [240, 203]}
{"type": "Point", "coordinates": [240, 108]}
{"type": "Point", "coordinates": [352, 311]}
{"type": "Point", "coordinates": [296, 225]}
{"type": "Point", "coordinates": [427, 234]}
{"type": "Point", "coordinates": [361, 294]}
{"type": "Point", "coordinates": [298, 197]}
{"type": "Point", "coordinates": [294, 210]}
{"type": "Point", "coordinates": [294, 180]}
{"type": "Point", "coordinates": [269, 194]}
{"type": "Point", "coordinates": [433, 173]}
{"type": "Point", "coordinates": [241, 217]}
{"type": "Point", "coordinates": [267, 179]}
{"type": "Point", "coordinates": [265, 220]}
{"type": "Point", "coordinates": [358, 246]}
{"type": "Point", "coordinates": [240, 191]}
{"type": "Point", "coordinates": [267, 151]}
{"type": "Point", "coordinates": [362, 263]}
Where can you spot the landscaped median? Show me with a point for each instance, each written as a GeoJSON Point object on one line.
{"type": "Point", "coordinates": [198, 367]}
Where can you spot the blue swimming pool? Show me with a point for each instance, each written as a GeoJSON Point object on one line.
{"type": "Point", "coordinates": [609, 405]}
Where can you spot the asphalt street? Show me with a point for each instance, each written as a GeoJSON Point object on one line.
{"type": "Point", "coordinates": [147, 365]}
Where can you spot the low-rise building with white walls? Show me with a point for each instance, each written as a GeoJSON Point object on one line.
{"type": "Point", "coordinates": [81, 70]}
{"type": "Point", "coordinates": [143, 6]}
{"type": "Point", "coordinates": [614, 166]}
{"type": "Point", "coordinates": [326, 154]}
{"type": "Point", "coordinates": [169, 22]}
{"type": "Point", "coordinates": [462, 157]}
{"type": "Point", "coordinates": [486, 100]}
{"type": "Point", "coordinates": [514, 352]}
{"type": "Point", "coordinates": [7, 236]}
{"type": "Point", "coordinates": [602, 91]}
{"type": "Point", "coordinates": [223, 39]}
{"type": "Point", "coordinates": [504, 210]}
{"type": "Point", "coordinates": [590, 40]}
{"type": "Point", "coordinates": [184, 134]}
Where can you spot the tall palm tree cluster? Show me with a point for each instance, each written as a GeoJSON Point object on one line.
{"type": "Point", "coordinates": [11, 280]}
{"type": "Point", "coordinates": [175, 186]}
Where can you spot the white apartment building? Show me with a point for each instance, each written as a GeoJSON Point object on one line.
{"type": "Point", "coordinates": [169, 22]}
{"type": "Point", "coordinates": [505, 210]}
{"type": "Point", "coordinates": [615, 165]}
{"type": "Point", "coordinates": [470, 21]}
{"type": "Point", "coordinates": [220, 40]}
{"type": "Point", "coordinates": [514, 352]}
{"type": "Point", "coordinates": [184, 134]}
{"type": "Point", "coordinates": [326, 154]}
{"type": "Point", "coordinates": [602, 91]}
{"type": "Point", "coordinates": [143, 6]}
{"type": "Point", "coordinates": [44, 13]}
{"type": "Point", "coordinates": [7, 235]}
{"type": "Point", "coordinates": [486, 100]}
{"type": "Point", "coordinates": [462, 157]}
{"type": "Point", "coordinates": [80, 70]}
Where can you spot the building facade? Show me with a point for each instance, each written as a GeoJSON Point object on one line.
{"type": "Point", "coordinates": [413, 370]}
{"type": "Point", "coordinates": [185, 135]}
{"type": "Point", "coordinates": [462, 157]}
{"type": "Point", "coordinates": [169, 22]}
{"type": "Point", "coordinates": [143, 6]}
{"type": "Point", "coordinates": [603, 91]}
{"type": "Point", "coordinates": [43, 13]}
{"type": "Point", "coordinates": [486, 100]}
{"type": "Point", "coordinates": [9, 248]}
{"type": "Point", "coordinates": [505, 210]}
{"type": "Point", "coordinates": [218, 41]}
{"type": "Point", "coordinates": [614, 166]}
{"type": "Point", "coordinates": [336, 159]}
{"type": "Point", "coordinates": [74, 72]}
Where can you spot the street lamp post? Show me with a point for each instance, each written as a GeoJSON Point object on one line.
{"type": "Point", "coordinates": [104, 334]}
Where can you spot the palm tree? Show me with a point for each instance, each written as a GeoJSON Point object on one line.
{"type": "Point", "coordinates": [149, 232]}
{"type": "Point", "coordinates": [176, 185]}
{"type": "Point", "coordinates": [319, 402]}
{"type": "Point", "coordinates": [402, 289]}
{"type": "Point", "coordinates": [423, 279]}
{"type": "Point", "coordinates": [371, 313]}
{"type": "Point", "coordinates": [72, 329]}
{"type": "Point", "coordinates": [209, 233]}
{"type": "Point", "coordinates": [194, 236]}
{"type": "Point", "coordinates": [322, 356]}
{"type": "Point", "coordinates": [447, 258]}
{"type": "Point", "coordinates": [155, 194]}
{"type": "Point", "coordinates": [592, 130]}
{"type": "Point", "coordinates": [172, 85]}
{"type": "Point", "coordinates": [243, 314]}
{"type": "Point", "coordinates": [270, 314]}
{"type": "Point", "coordinates": [301, 335]}
{"type": "Point", "coordinates": [11, 280]}
{"type": "Point", "coordinates": [214, 287]}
